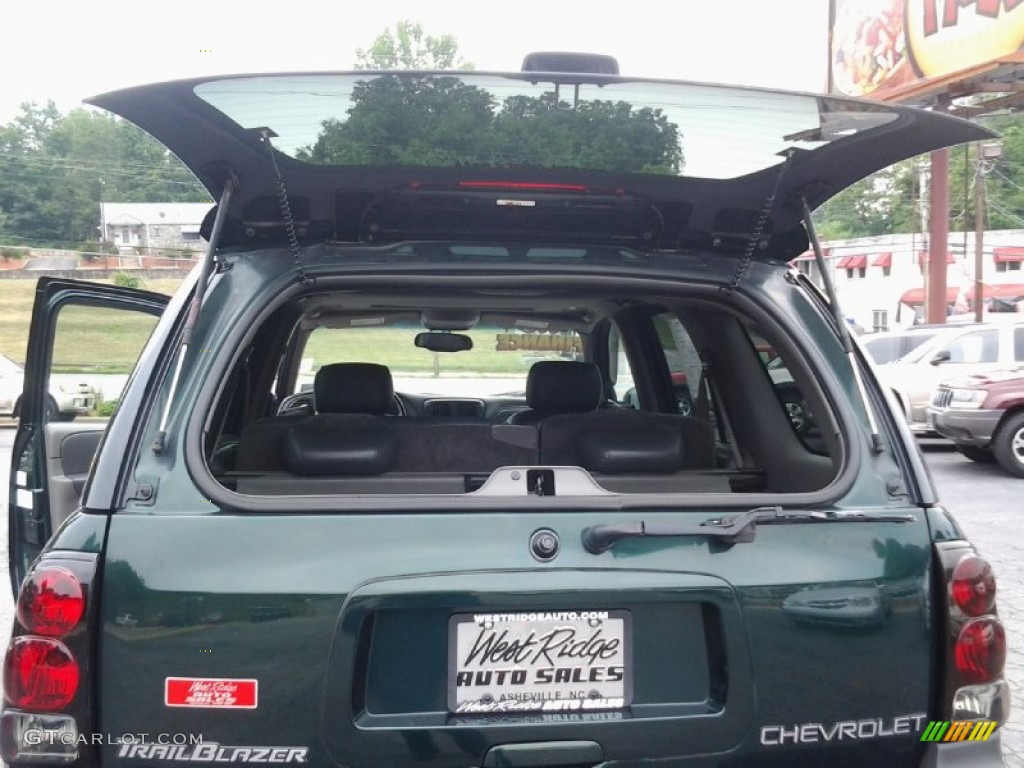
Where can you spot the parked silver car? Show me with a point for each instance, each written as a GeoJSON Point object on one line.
{"type": "Point", "coordinates": [67, 398]}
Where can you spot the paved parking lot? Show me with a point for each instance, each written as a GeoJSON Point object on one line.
{"type": "Point", "coordinates": [986, 501]}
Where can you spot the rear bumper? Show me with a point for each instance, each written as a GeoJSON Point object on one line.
{"type": "Point", "coordinates": [972, 427]}
{"type": "Point", "coordinates": [965, 754]}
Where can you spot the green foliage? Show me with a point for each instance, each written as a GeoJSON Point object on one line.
{"type": "Point", "coordinates": [105, 408]}
{"type": "Point", "coordinates": [408, 47]}
{"type": "Point", "coordinates": [443, 121]}
{"type": "Point", "coordinates": [1004, 178]}
{"type": "Point", "coordinates": [7, 253]}
{"type": "Point", "coordinates": [866, 208]}
{"type": "Point", "coordinates": [891, 201]}
{"type": "Point", "coordinates": [602, 135]}
{"type": "Point", "coordinates": [55, 170]}
{"type": "Point", "coordinates": [127, 280]}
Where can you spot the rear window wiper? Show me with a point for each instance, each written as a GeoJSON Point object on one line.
{"type": "Point", "coordinates": [734, 529]}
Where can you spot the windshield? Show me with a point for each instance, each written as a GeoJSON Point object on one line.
{"type": "Point", "coordinates": [491, 121]}
{"type": "Point", "coordinates": [496, 365]}
{"type": "Point", "coordinates": [890, 348]}
{"type": "Point", "coordinates": [919, 352]}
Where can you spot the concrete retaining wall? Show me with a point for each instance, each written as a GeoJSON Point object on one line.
{"type": "Point", "coordinates": [91, 274]}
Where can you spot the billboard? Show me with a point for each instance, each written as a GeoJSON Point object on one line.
{"type": "Point", "coordinates": [882, 48]}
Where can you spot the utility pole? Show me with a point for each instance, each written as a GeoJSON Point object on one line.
{"type": "Point", "coordinates": [938, 237]}
{"type": "Point", "coordinates": [987, 150]}
{"type": "Point", "coordinates": [979, 235]}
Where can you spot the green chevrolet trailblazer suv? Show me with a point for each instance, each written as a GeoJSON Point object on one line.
{"type": "Point", "coordinates": [403, 475]}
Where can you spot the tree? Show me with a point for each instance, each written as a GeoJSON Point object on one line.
{"type": "Point", "coordinates": [872, 206]}
{"type": "Point", "coordinates": [601, 135]}
{"type": "Point", "coordinates": [1004, 190]}
{"type": "Point", "coordinates": [27, 183]}
{"type": "Point", "coordinates": [408, 47]}
{"type": "Point", "coordinates": [430, 121]}
{"type": "Point", "coordinates": [55, 170]}
{"type": "Point", "coordinates": [408, 121]}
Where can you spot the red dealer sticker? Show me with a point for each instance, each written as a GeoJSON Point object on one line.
{"type": "Point", "coordinates": [205, 692]}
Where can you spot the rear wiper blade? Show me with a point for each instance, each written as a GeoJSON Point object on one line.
{"type": "Point", "coordinates": [733, 529]}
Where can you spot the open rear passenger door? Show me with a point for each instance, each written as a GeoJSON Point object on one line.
{"type": "Point", "coordinates": [93, 332]}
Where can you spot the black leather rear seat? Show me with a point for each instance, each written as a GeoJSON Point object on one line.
{"type": "Point", "coordinates": [566, 400]}
{"type": "Point", "coordinates": [351, 437]}
{"type": "Point", "coordinates": [624, 441]}
{"type": "Point", "coordinates": [351, 434]}
{"type": "Point", "coordinates": [351, 398]}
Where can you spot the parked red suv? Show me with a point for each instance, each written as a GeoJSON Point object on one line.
{"type": "Point", "coordinates": [984, 415]}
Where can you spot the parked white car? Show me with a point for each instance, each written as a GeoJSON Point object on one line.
{"type": "Point", "coordinates": [954, 351]}
{"type": "Point", "coordinates": [67, 398]}
{"type": "Point", "coordinates": [890, 346]}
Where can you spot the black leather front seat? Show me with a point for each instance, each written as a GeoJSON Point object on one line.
{"type": "Point", "coordinates": [354, 388]}
{"type": "Point", "coordinates": [556, 387]}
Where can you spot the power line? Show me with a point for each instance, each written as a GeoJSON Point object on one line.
{"type": "Point", "coordinates": [86, 164]}
{"type": "Point", "coordinates": [1005, 212]}
{"type": "Point", "coordinates": [63, 177]}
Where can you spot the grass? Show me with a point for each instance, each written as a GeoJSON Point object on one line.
{"type": "Point", "coordinates": [102, 341]}
{"type": "Point", "coordinates": [87, 338]}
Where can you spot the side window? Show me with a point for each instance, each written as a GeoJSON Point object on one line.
{"type": "Point", "coordinates": [94, 351]}
{"type": "Point", "coordinates": [975, 347]}
{"type": "Point", "coordinates": [1018, 345]}
{"type": "Point", "coordinates": [683, 361]}
{"type": "Point", "coordinates": [681, 357]}
{"type": "Point", "coordinates": [791, 399]}
{"type": "Point", "coordinates": [621, 373]}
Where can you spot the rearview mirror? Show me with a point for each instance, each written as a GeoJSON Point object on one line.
{"type": "Point", "coordinates": [444, 342]}
{"type": "Point", "coordinates": [942, 356]}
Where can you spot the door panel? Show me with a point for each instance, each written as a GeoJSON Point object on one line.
{"type": "Point", "coordinates": [94, 332]}
{"type": "Point", "coordinates": [69, 452]}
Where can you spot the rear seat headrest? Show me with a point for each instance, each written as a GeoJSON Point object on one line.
{"type": "Point", "coordinates": [652, 448]}
{"type": "Point", "coordinates": [557, 386]}
{"type": "Point", "coordinates": [330, 448]}
{"type": "Point", "coordinates": [354, 388]}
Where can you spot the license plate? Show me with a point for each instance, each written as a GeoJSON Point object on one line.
{"type": "Point", "coordinates": [543, 661]}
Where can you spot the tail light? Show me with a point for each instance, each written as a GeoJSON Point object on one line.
{"type": "Point", "coordinates": [973, 586]}
{"type": "Point", "coordinates": [975, 640]}
{"type": "Point", "coordinates": [40, 674]}
{"type": "Point", "coordinates": [980, 650]}
{"type": "Point", "coordinates": [51, 602]}
{"type": "Point", "coordinates": [46, 667]}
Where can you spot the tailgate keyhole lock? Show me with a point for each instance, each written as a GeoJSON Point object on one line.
{"type": "Point", "coordinates": [544, 544]}
{"type": "Point", "coordinates": [541, 481]}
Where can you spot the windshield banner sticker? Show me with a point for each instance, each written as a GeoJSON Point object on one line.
{"type": "Point", "coordinates": [210, 693]}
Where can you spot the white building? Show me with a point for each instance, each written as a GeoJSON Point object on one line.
{"type": "Point", "coordinates": [153, 228]}
{"type": "Point", "coordinates": [880, 281]}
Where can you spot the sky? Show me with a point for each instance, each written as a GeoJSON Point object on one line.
{"type": "Point", "coordinates": [67, 51]}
